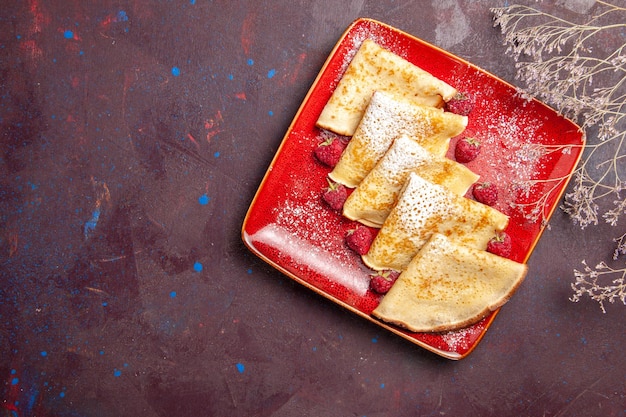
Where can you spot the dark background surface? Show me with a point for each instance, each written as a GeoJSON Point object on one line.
{"type": "Point", "coordinates": [134, 135]}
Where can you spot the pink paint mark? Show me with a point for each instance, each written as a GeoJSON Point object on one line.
{"type": "Point", "coordinates": [241, 96]}
{"type": "Point", "coordinates": [106, 22]}
{"type": "Point", "coordinates": [296, 68]}
{"type": "Point", "coordinates": [40, 19]}
{"type": "Point", "coordinates": [193, 140]}
{"type": "Point", "coordinates": [247, 29]}
{"type": "Point", "coordinates": [13, 243]}
{"type": "Point", "coordinates": [31, 48]}
{"type": "Point", "coordinates": [120, 16]}
{"type": "Point", "coordinates": [213, 126]}
{"type": "Point", "coordinates": [75, 80]}
{"type": "Point", "coordinates": [13, 393]}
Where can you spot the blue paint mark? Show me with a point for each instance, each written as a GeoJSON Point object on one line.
{"type": "Point", "coordinates": [68, 34]}
{"type": "Point", "coordinates": [44, 353]}
{"type": "Point", "coordinates": [216, 154]}
{"type": "Point", "coordinates": [241, 368]}
{"type": "Point", "coordinates": [173, 294]}
{"type": "Point", "coordinates": [231, 77]}
{"type": "Point", "coordinates": [250, 61]}
{"type": "Point", "coordinates": [271, 113]}
{"type": "Point", "coordinates": [117, 373]}
{"type": "Point", "coordinates": [91, 224]}
{"type": "Point", "coordinates": [374, 340]}
{"type": "Point", "coordinates": [197, 267]}
{"type": "Point", "coordinates": [15, 381]}
{"type": "Point", "coordinates": [192, 2]}
{"type": "Point", "coordinates": [32, 400]}
{"type": "Point", "coordinates": [175, 71]}
{"type": "Point", "coordinates": [314, 348]}
{"type": "Point", "coordinates": [250, 271]}
{"type": "Point", "coordinates": [62, 394]}
{"type": "Point", "coordinates": [271, 73]}
{"type": "Point", "coordinates": [382, 385]}
{"type": "Point", "coordinates": [13, 371]}
{"type": "Point", "coordinates": [204, 200]}
{"type": "Point", "coordinates": [104, 304]}
{"type": "Point", "coordinates": [102, 352]}
{"type": "Point", "coordinates": [122, 16]}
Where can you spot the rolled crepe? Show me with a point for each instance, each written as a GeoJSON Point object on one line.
{"type": "Point", "coordinates": [375, 68]}
{"type": "Point", "coordinates": [448, 286]}
{"type": "Point", "coordinates": [386, 118]}
{"type": "Point", "coordinates": [423, 209]}
{"type": "Point", "coordinates": [371, 202]}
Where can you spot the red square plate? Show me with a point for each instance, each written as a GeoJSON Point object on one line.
{"type": "Point", "coordinates": [529, 151]}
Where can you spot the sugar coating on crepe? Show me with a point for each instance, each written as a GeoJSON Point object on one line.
{"type": "Point", "coordinates": [448, 286]}
{"type": "Point", "coordinates": [372, 200]}
{"type": "Point", "coordinates": [375, 68]}
{"type": "Point", "coordinates": [424, 208]}
{"type": "Point", "coordinates": [386, 118]}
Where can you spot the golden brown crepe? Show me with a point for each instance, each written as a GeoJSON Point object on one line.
{"type": "Point", "coordinates": [375, 68]}
{"type": "Point", "coordinates": [448, 286]}
{"type": "Point", "coordinates": [386, 118]}
{"type": "Point", "coordinates": [372, 200]}
{"type": "Point", "coordinates": [424, 208]}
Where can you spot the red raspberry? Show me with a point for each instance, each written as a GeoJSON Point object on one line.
{"type": "Point", "coordinates": [329, 151]}
{"type": "Point", "coordinates": [381, 282]}
{"type": "Point", "coordinates": [500, 245]}
{"type": "Point", "coordinates": [335, 195]}
{"type": "Point", "coordinates": [486, 193]}
{"type": "Point", "coordinates": [359, 239]}
{"type": "Point", "coordinates": [461, 103]}
{"type": "Point", "coordinates": [466, 150]}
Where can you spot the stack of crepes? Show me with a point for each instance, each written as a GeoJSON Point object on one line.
{"type": "Point", "coordinates": [406, 186]}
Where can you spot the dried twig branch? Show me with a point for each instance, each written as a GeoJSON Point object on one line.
{"type": "Point", "coordinates": [580, 69]}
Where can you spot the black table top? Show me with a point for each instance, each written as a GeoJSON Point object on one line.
{"type": "Point", "coordinates": [134, 137]}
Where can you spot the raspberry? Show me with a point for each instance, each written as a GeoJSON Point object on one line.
{"type": "Point", "coordinates": [359, 239]}
{"type": "Point", "coordinates": [466, 150]}
{"type": "Point", "coordinates": [461, 104]}
{"type": "Point", "coordinates": [329, 151]}
{"type": "Point", "coordinates": [382, 281]}
{"type": "Point", "coordinates": [335, 195]}
{"type": "Point", "coordinates": [486, 193]}
{"type": "Point", "coordinates": [500, 245]}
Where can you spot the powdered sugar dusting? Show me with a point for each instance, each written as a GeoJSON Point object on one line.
{"type": "Point", "coordinates": [459, 340]}
{"type": "Point", "coordinates": [403, 155]}
{"type": "Point", "coordinates": [313, 235]}
{"type": "Point", "coordinates": [419, 203]}
{"type": "Point", "coordinates": [509, 148]}
{"type": "Point", "coordinates": [385, 119]}
{"type": "Point", "coordinates": [512, 138]}
{"type": "Point", "coordinates": [308, 220]}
